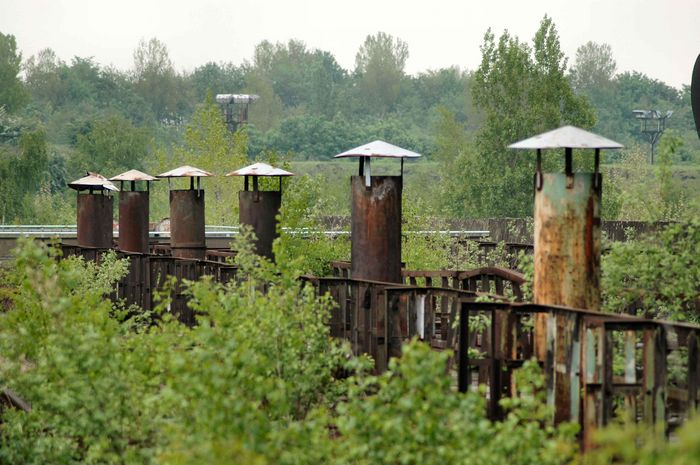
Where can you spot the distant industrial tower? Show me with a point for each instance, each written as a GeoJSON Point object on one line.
{"type": "Point", "coordinates": [653, 125]}
{"type": "Point", "coordinates": [235, 108]}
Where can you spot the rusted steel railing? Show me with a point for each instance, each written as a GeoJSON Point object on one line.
{"type": "Point", "coordinates": [376, 318]}
{"type": "Point", "coordinates": [597, 366]}
{"type": "Point", "coordinates": [492, 280]}
{"type": "Point", "coordinates": [148, 274]}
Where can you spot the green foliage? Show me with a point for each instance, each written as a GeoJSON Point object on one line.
{"type": "Point", "coordinates": [655, 276]}
{"type": "Point", "coordinates": [302, 240]}
{"type": "Point", "coordinates": [12, 92]}
{"type": "Point", "coordinates": [593, 70]}
{"type": "Point", "coordinates": [23, 174]}
{"type": "Point", "coordinates": [627, 444]}
{"type": "Point", "coordinates": [312, 108]}
{"type": "Point", "coordinates": [255, 381]}
{"type": "Point", "coordinates": [450, 136]}
{"type": "Point", "coordinates": [155, 79]}
{"type": "Point", "coordinates": [521, 90]}
{"type": "Point", "coordinates": [380, 63]}
{"type": "Point", "coordinates": [112, 145]}
{"type": "Point", "coordinates": [210, 146]}
{"type": "Point", "coordinates": [423, 247]}
{"type": "Point", "coordinates": [635, 190]}
{"type": "Point", "coordinates": [410, 415]}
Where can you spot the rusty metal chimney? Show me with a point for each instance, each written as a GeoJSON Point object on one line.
{"type": "Point", "coordinates": [376, 215]}
{"type": "Point", "coordinates": [133, 211]}
{"type": "Point", "coordinates": [567, 255]}
{"type": "Point", "coordinates": [567, 221]}
{"type": "Point", "coordinates": [94, 210]}
{"type": "Point", "coordinates": [187, 236]}
{"type": "Point", "coordinates": [258, 209]}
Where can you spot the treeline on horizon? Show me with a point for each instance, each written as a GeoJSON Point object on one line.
{"type": "Point", "coordinates": [68, 116]}
{"type": "Point", "coordinates": [310, 105]}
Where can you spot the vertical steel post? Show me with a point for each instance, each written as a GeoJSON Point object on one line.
{"type": "Point", "coordinates": [376, 228]}
{"type": "Point", "coordinates": [187, 239]}
{"type": "Point", "coordinates": [567, 244]}
{"type": "Point", "coordinates": [259, 210]}
{"type": "Point", "coordinates": [133, 221]}
{"type": "Point", "coordinates": [94, 219]}
{"type": "Point", "coordinates": [567, 241]}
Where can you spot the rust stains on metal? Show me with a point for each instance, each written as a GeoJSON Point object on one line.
{"type": "Point", "coordinates": [94, 219]}
{"type": "Point", "coordinates": [133, 221]}
{"type": "Point", "coordinates": [92, 181]}
{"type": "Point", "coordinates": [187, 238]}
{"type": "Point", "coordinates": [259, 209]}
{"type": "Point", "coordinates": [133, 212]}
{"type": "Point", "coordinates": [567, 242]}
{"type": "Point", "coordinates": [185, 171]}
{"type": "Point", "coordinates": [376, 229]}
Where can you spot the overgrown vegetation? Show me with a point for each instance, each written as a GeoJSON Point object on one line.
{"type": "Point", "coordinates": [255, 381]}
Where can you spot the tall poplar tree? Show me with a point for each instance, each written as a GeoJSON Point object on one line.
{"type": "Point", "coordinates": [12, 93]}
{"type": "Point", "coordinates": [521, 90]}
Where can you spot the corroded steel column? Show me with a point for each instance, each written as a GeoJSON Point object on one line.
{"type": "Point", "coordinates": [94, 220]}
{"type": "Point", "coordinates": [567, 247]}
{"type": "Point", "coordinates": [259, 209]}
{"type": "Point", "coordinates": [187, 239]}
{"type": "Point", "coordinates": [376, 228]}
{"type": "Point", "coordinates": [567, 241]}
{"type": "Point", "coordinates": [133, 221]}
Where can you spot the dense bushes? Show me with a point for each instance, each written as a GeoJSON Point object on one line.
{"type": "Point", "coordinates": [253, 382]}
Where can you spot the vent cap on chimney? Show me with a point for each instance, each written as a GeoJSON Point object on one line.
{"type": "Point", "coordinates": [93, 181]}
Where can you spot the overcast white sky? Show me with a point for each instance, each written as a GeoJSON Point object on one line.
{"type": "Point", "coordinates": [660, 38]}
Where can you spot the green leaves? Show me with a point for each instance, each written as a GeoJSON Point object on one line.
{"type": "Point", "coordinates": [521, 90]}
{"type": "Point", "coordinates": [655, 276]}
{"type": "Point", "coordinates": [12, 92]}
{"type": "Point", "coordinates": [257, 380]}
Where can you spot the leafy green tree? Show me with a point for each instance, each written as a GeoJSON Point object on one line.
{"type": "Point", "coordinates": [208, 145]}
{"type": "Point", "coordinates": [266, 112]}
{"type": "Point", "coordinates": [593, 69]}
{"type": "Point", "coordinates": [155, 78]}
{"type": "Point", "coordinates": [217, 78]}
{"type": "Point", "coordinates": [42, 75]}
{"type": "Point", "coordinates": [655, 276]}
{"type": "Point", "coordinates": [521, 91]}
{"type": "Point", "coordinates": [22, 174]}
{"type": "Point", "coordinates": [450, 136]}
{"type": "Point", "coordinates": [379, 63]}
{"type": "Point", "coordinates": [12, 92]}
{"type": "Point", "coordinates": [112, 145]}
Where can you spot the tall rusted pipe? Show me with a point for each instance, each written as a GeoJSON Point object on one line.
{"type": "Point", "coordinates": [376, 228]}
{"type": "Point", "coordinates": [259, 210]}
{"type": "Point", "coordinates": [133, 221]}
{"type": "Point", "coordinates": [94, 219]}
{"type": "Point", "coordinates": [567, 240]}
{"type": "Point", "coordinates": [187, 238]}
